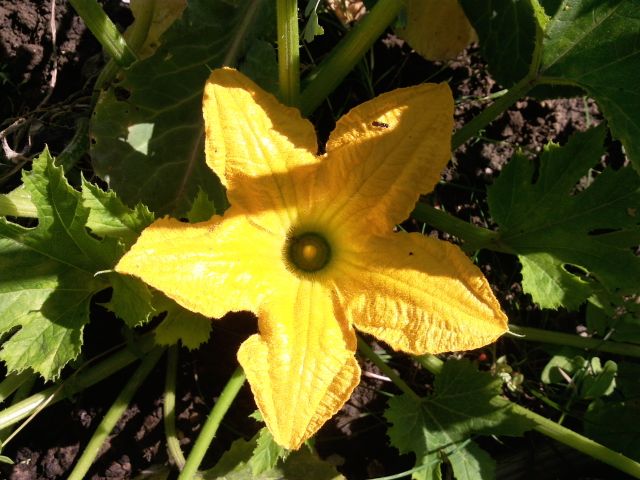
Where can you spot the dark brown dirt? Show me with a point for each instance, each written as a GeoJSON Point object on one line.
{"type": "Point", "coordinates": [355, 440]}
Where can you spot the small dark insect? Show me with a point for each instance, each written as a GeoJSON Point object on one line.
{"type": "Point", "coordinates": [410, 253]}
{"type": "Point", "coordinates": [380, 124]}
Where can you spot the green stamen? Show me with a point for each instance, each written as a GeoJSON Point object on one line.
{"type": "Point", "coordinates": [308, 252]}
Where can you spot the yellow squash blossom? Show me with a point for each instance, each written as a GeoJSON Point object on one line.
{"type": "Point", "coordinates": [308, 245]}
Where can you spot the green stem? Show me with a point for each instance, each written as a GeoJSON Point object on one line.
{"type": "Point", "coordinates": [330, 73]}
{"type": "Point", "coordinates": [474, 237]}
{"type": "Point", "coordinates": [23, 390]}
{"type": "Point", "coordinates": [539, 335]}
{"type": "Point", "coordinates": [114, 413]}
{"type": "Point", "coordinates": [105, 31]}
{"type": "Point", "coordinates": [368, 352]}
{"type": "Point", "coordinates": [492, 112]}
{"type": "Point", "coordinates": [210, 427]}
{"type": "Point", "coordinates": [552, 429]}
{"type": "Point", "coordinates": [74, 384]}
{"type": "Point", "coordinates": [12, 382]}
{"type": "Point", "coordinates": [169, 410]}
{"type": "Point", "coordinates": [288, 51]}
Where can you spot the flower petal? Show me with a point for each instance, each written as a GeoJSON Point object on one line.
{"type": "Point", "coordinates": [211, 267]}
{"type": "Point", "coordinates": [258, 147]}
{"type": "Point", "coordinates": [419, 295]}
{"type": "Point", "coordinates": [301, 367]}
{"type": "Point", "coordinates": [384, 153]}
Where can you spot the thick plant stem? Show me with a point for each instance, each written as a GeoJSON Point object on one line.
{"type": "Point", "coordinates": [169, 409]}
{"type": "Point", "coordinates": [74, 384]}
{"type": "Point", "coordinates": [474, 237]}
{"type": "Point", "coordinates": [210, 427]}
{"type": "Point", "coordinates": [559, 338]}
{"type": "Point", "coordinates": [368, 352]}
{"type": "Point", "coordinates": [492, 112]}
{"type": "Point", "coordinates": [552, 429]}
{"type": "Point", "coordinates": [105, 31]}
{"type": "Point", "coordinates": [12, 382]}
{"type": "Point", "coordinates": [288, 51]}
{"type": "Point", "coordinates": [330, 73]}
{"type": "Point", "coordinates": [114, 413]}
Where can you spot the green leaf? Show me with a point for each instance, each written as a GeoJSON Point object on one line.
{"type": "Point", "coordinates": [601, 380]}
{"type": "Point", "coordinates": [148, 133]}
{"type": "Point", "coordinates": [470, 462]}
{"type": "Point", "coordinates": [459, 407]}
{"type": "Point", "coordinates": [202, 208]}
{"type": "Point", "coordinates": [312, 28]}
{"type": "Point", "coordinates": [302, 464]}
{"type": "Point", "coordinates": [572, 227]}
{"type": "Point", "coordinates": [593, 379]}
{"type": "Point", "coordinates": [429, 468]}
{"type": "Point", "coordinates": [266, 454]}
{"type": "Point", "coordinates": [261, 65]}
{"type": "Point", "coordinates": [48, 275]}
{"type": "Point", "coordinates": [17, 203]}
{"type": "Point", "coordinates": [554, 285]}
{"type": "Point", "coordinates": [615, 317]}
{"type": "Point", "coordinates": [569, 364]}
{"type": "Point", "coordinates": [192, 329]}
{"type": "Point", "coordinates": [615, 424]}
{"type": "Point", "coordinates": [507, 33]}
{"type": "Point", "coordinates": [628, 379]}
{"type": "Point", "coordinates": [594, 45]}
{"type": "Point", "coordinates": [131, 300]}
{"type": "Point", "coordinates": [109, 217]}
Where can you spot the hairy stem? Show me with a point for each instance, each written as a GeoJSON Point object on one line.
{"type": "Point", "coordinates": [330, 73]}
{"type": "Point", "coordinates": [492, 112]}
{"type": "Point", "coordinates": [558, 338]}
{"type": "Point", "coordinates": [105, 31]}
{"type": "Point", "coordinates": [288, 51]}
{"type": "Point", "coordinates": [474, 237]}
{"type": "Point", "coordinates": [74, 384]}
{"type": "Point", "coordinates": [114, 413]}
{"type": "Point", "coordinates": [210, 427]}
{"type": "Point", "coordinates": [169, 410]}
{"type": "Point", "coordinates": [368, 352]}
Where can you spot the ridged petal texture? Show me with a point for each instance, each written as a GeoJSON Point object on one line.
{"type": "Point", "coordinates": [416, 293]}
{"type": "Point", "coordinates": [302, 364]}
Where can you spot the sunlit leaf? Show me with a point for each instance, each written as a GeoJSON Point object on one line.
{"type": "Point", "coordinates": [164, 13]}
{"type": "Point", "coordinates": [47, 275]}
{"type": "Point", "coordinates": [181, 325]}
{"type": "Point", "coordinates": [236, 464]}
{"type": "Point", "coordinates": [470, 462]}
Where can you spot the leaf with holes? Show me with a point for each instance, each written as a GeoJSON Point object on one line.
{"type": "Point", "coordinates": [593, 228]}
{"type": "Point", "coordinates": [147, 130]}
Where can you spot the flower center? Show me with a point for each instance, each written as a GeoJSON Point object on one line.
{"type": "Point", "coordinates": [308, 252]}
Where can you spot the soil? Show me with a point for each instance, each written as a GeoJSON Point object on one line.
{"type": "Point", "coordinates": [355, 440]}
